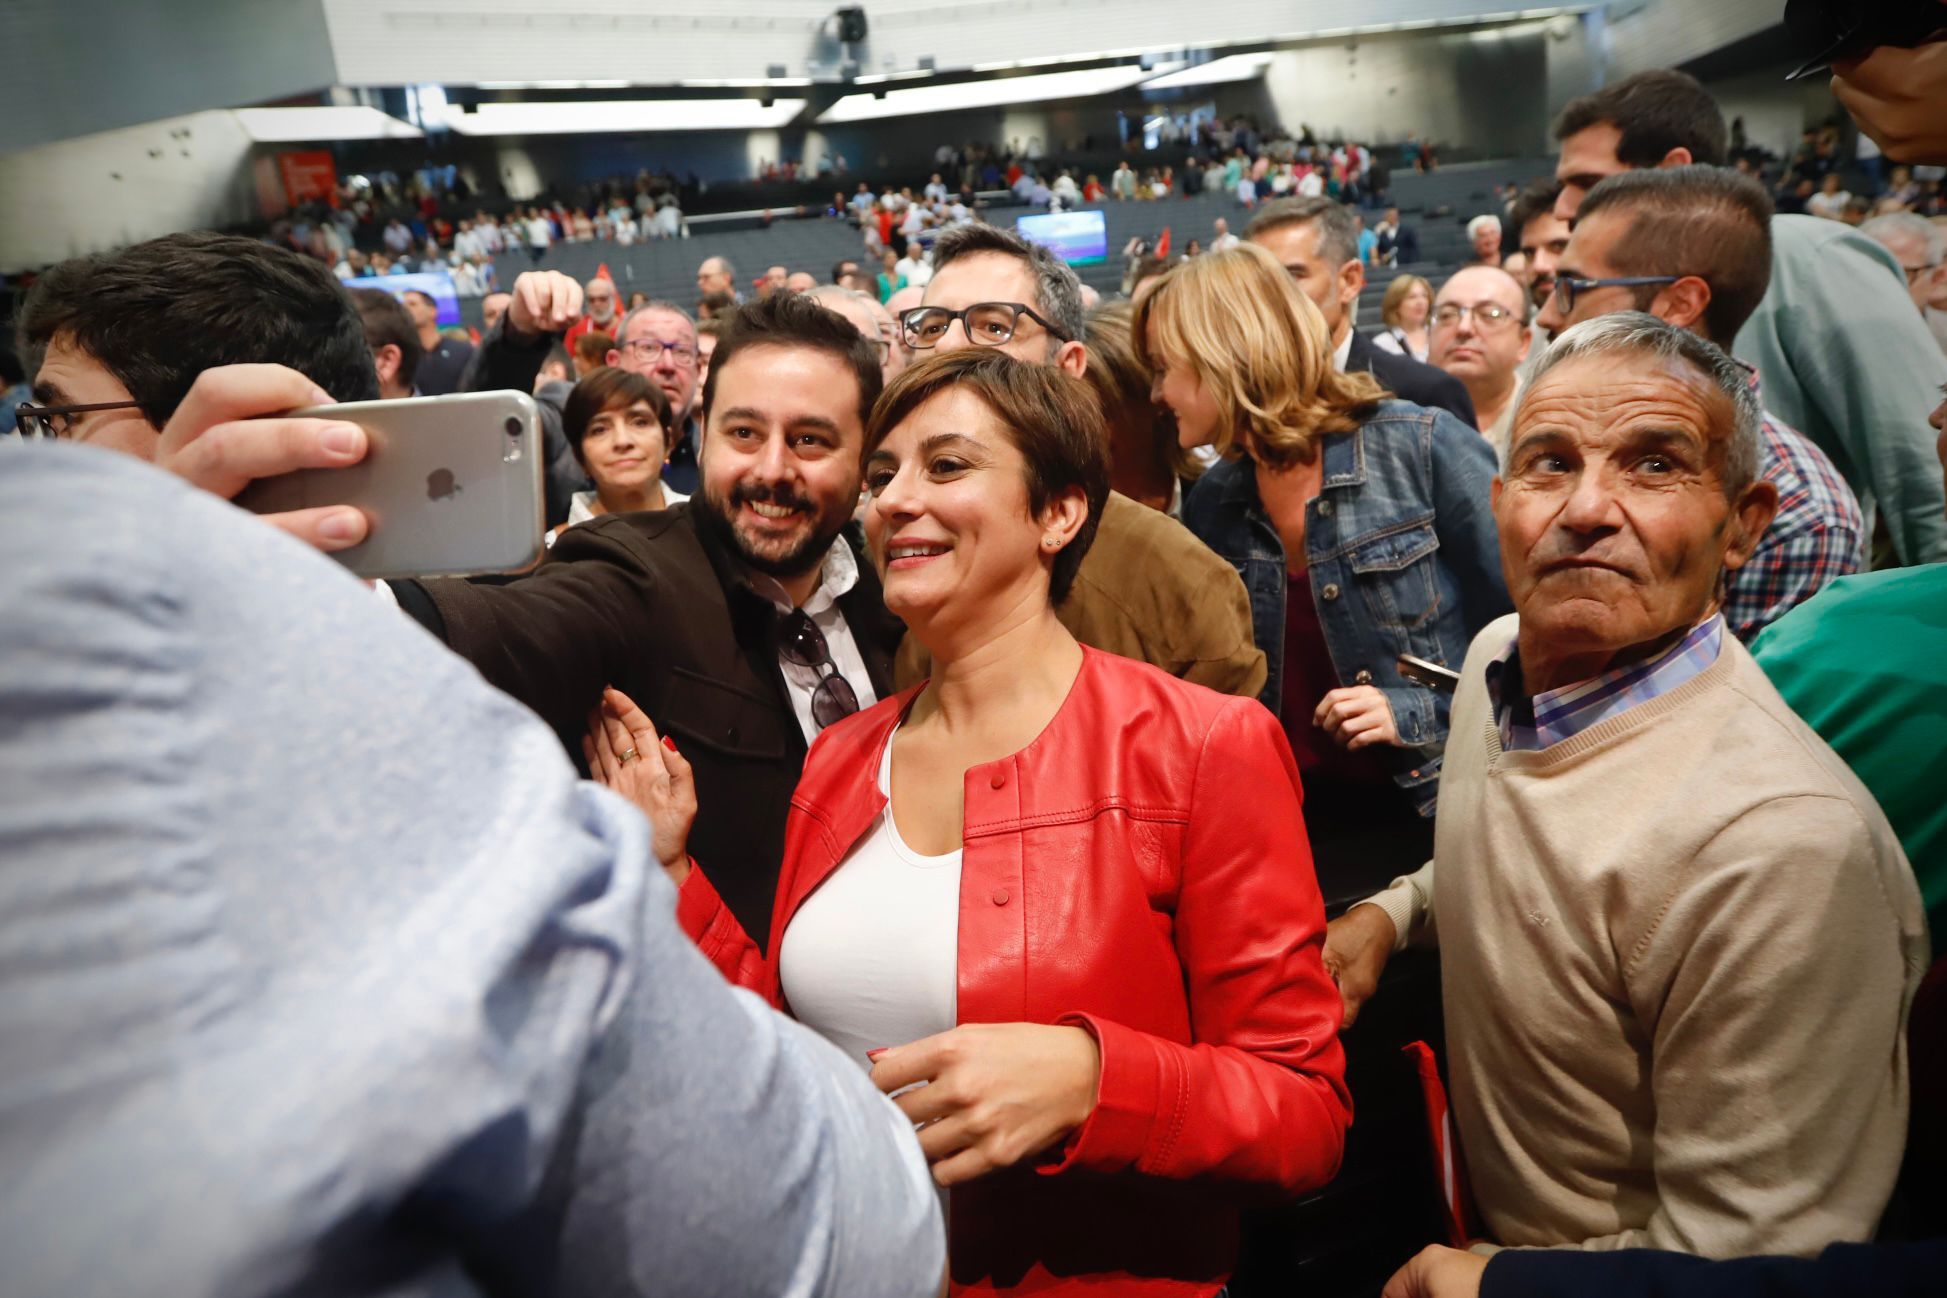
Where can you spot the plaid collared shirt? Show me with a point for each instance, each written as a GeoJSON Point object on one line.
{"type": "Point", "coordinates": [1552, 716]}
{"type": "Point", "coordinates": [1817, 534]}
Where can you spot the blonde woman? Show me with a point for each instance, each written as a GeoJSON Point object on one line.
{"type": "Point", "coordinates": [1408, 306]}
{"type": "Point", "coordinates": [1362, 530]}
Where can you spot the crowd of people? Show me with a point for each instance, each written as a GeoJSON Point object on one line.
{"type": "Point", "coordinates": [964, 777]}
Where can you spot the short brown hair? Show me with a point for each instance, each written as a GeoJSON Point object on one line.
{"type": "Point", "coordinates": [609, 388]}
{"type": "Point", "coordinates": [1655, 111]}
{"type": "Point", "coordinates": [593, 347]}
{"type": "Point", "coordinates": [1051, 416]}
{"type": "Point", "coordinates": [794, 320]}
{"type": "Point", "coordinates": [1122, 385]}
{"type": "Point", "coordinates": [1338, 232]}
{"type": "Point", "coordinates": [1709, 222]}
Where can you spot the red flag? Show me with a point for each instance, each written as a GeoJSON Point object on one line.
{"type": "Point", "coordinates": [601, 272]}
{"type": "Point", "coordinates": [1449, 1169]}
{"type": "Point", "coordinates": [1163, 244]}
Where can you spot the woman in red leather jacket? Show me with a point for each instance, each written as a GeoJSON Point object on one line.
{"type": "Point", "coordinates": [1058, 901]}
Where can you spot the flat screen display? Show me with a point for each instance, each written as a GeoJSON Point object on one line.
{"type": "Point", "coordinates": [437, 284]}
{"type": "Point", "coordinates": [1078, 238]}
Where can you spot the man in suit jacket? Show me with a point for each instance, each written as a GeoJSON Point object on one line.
{"type": "Point", "coordinates": [742, 622]}
{"type": "Point", "coordinates": [1317, 239]}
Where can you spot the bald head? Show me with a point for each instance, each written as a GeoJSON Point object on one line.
{"type": "Point", "coordinates": [716, 275]}
{"type": "Point", "coordinates": [1480, 334]}
{"type": "Point", "coordinates": [872, 320]}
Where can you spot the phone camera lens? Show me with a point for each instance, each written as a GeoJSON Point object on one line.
{"type": "Point", "coordinates": [513, 426]}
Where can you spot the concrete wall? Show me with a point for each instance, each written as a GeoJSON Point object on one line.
{"type": "Point", "coordinates": [1487, 89]}
{"type": "Point", "coordinates": [1665, 33]}
{"type": "Point", "coordinates": [115, 188]}
{"type": "Point", "coordinates": [77, 67]}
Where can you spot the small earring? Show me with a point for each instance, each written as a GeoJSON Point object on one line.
{"type": "Point", "coordinates": [1050, 541]}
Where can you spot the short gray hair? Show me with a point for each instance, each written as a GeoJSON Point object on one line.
{"type": "Point", "coordinates": [654, 304]}
{"type": "Point", "coordinates": [1481, 222]}
{"type": "Point", "coordinates": [1909, 226]}
{"type": "Point", "coordinates": [1638, 333]}
{"type": "Point", "coordinates": [1056, 285]}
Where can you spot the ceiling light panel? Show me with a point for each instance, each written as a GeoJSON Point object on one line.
{"type": "Point", "coordinates": [1232, 67]}
{"type": "Point", "coordinates": [619, 115]}
{"type": "Point", "coordinates": [303, 125]}
{"type": "Point", "coordinates": [982, 94]}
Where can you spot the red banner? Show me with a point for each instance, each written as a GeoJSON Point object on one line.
{"type": "Point", "coordinates": [311, 176]}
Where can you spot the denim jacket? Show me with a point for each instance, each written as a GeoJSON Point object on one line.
{"type": "Point", "coordinates": [1403, 557]}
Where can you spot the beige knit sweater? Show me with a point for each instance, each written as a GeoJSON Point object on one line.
{"type": "Point", "coordinates": [1677, 954]}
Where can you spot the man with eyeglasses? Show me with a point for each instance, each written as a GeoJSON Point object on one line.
{"type": "Point", "coordinates": [1148, 589]}
{"type": "Point", "coordinates": [1692, 246]}
{"type": "Point", "coordinates": [658, 341]}
{"type": "Point", "coordinates": [1479, 333]}
{"type": "Point", "coordinates": [1843, 359]}
{"type": "Point", "coordinates": [1920, 246]}
{"type": "Point", "coordinates": [870, 318]}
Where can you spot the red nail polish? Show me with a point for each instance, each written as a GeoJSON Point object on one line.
{"type": "Point", "coordinates": [873, 1055]}
{"type": "Point", "coordinates": [669, 743]}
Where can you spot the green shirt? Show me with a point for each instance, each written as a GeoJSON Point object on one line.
{"type": "Point", "coordinates": [1864, 662]}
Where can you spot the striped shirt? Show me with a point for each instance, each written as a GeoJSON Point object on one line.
{"type": "Point", "coordinates": [1548, 718]}
{"type": "Point", "coordinates": [1818, 533]}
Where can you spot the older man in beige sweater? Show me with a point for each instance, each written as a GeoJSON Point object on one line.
{"type": "Point", "coordinates": [1678, 940]}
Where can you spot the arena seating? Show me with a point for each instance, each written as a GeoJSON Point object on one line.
{"type": "Point", "coordinates": [667, 268]}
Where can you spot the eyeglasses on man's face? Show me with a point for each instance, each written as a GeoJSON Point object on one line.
{"type": "Point", "coordinates": [1569, 287]}
{"type": "Point", "coordinates": [989, 324]}
{"type": "Point", "coordinates": [49, 422]}
{"type": "Point", "coordinates": [1487, 315]}
{"type": "Point", "coordinates": [648, 351]}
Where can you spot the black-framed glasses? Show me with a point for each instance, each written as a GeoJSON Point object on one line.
{"type": "Point", "coordinates": [802, 644]}
{"type": "Point", "coordinates": [990, 324]}
{"type": "Point", "coordinates": [649, 350]}
{"type": "Point", "coordinates": [1488, 315]}
{"type": "Point", "coordinates": [1568, 286]}
{"type": "Point", "coordinates": [31, 421]}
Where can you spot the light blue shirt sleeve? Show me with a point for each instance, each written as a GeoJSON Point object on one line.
{"type": "Point", "coordinates": [1846, 360]}
{"type": "Point", "coordinates": [321, 971]}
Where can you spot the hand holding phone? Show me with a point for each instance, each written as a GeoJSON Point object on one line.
{"type": "Point", "coordinates": [1430, 674]}
{"type": "Point", "coordinates": [451, 485]}
{"type": "Point", "coordinates": [231, 429]}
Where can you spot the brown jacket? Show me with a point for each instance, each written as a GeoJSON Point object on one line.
{"type": "Point", "coordinates": [1151, 591]}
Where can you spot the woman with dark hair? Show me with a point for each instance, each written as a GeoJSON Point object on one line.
{"type": "Point", "coordinates": [617, 424]}
{"type": "Point", "coordinates": [1148, 465]}
{"type": "Point", "coordinates": [1058, 901]}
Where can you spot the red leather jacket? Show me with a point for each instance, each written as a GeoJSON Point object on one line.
{"type": "Point", "coordinates": [1139, 870]}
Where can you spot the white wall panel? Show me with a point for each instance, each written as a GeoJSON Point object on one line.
{"type": "Point", "coordinates": [396, 42]}
{"type": "Point", "coordinates": [1483, 89]}
{"type": "Point", "coordinates": [115, 188]}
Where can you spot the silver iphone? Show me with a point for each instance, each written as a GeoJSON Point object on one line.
{"type": "Point", "coordinates": [452, 484]}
